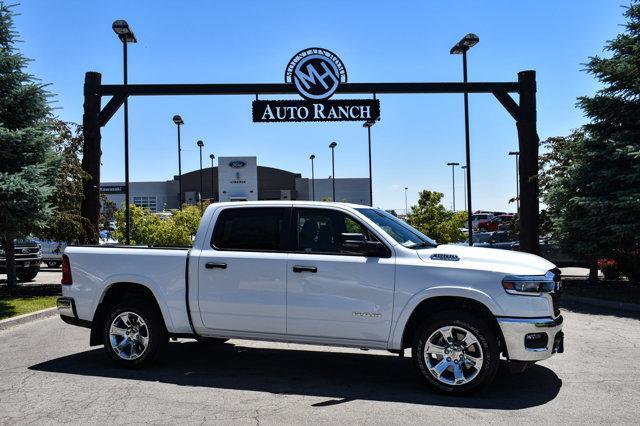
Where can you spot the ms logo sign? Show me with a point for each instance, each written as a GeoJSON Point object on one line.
{"type": "Point", "coordinates": [316, 73]}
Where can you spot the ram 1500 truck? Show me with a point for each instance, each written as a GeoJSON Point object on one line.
{"type": "Point", "coordinates": [320, 273]}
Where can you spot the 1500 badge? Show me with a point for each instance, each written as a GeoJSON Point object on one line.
{"type": "Point", "coordinates": [367, 314]}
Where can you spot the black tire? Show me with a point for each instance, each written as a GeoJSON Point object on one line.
{"type": "Point", "coordinates": [27, 275]}
{"type": "Point", "coordinates": [211, 341]}
{"type": "Point", "coordinates": [53, 264]}
{"type": "Point", "coordinates": [486, 338]}
{"type": "Point", "coordinates": [156, 333]}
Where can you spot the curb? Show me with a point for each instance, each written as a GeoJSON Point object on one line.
{"type": "Point", "coordinates": [621, 306]}
{"type": "Point", "coordinates": [23, 319]}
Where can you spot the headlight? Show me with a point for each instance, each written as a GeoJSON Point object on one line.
{"type": "Point", "coordinates": [529, 285]}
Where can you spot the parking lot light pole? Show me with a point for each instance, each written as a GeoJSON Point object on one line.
{"type": "Point", "coordinates": [313, 179]}
{"type": "Point", "coordinates": [465, 190]}
{"type": "Point", "coordinates": [200, 145]}
{"type": "Point", "coordinates": [462, 47]}
{"type": "Point", "coordinates": [178, 120]}
{"type": "Point", "coordinates": [368, 125]}
{"type": "Point", "coordinates": [453, 177]}
{"type": "Point", "coordinates": [333, 145]}
{"type": "Point", "coordinates": [406, 206]}
{"type": "Point", "coordinates": [122, 29]}
{"type": "Point", "coordinates": [212, 158]}
{"type": "Point", "coordinates": [517, 155]}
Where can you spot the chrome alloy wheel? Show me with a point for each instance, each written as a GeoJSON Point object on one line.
{"type": "Point", "coordinates": [129, 335]}
{"type": "Point", "coordinates": [453, 355]}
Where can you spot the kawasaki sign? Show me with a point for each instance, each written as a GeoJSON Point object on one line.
{"type": "Point", "coordinates": [316, 73]}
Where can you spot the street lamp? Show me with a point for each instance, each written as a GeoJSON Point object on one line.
{"type": "Point", "coordinates": [517, 154]}
{"type": "Point", "coordinates": [121, 28]}
{"type": "Point", "coordinates": [313, 179]}
{"type": "Point", "coordinates": [368, 125]}
{"type": "Point", "coordinates": [333, 145]}
{"type": "Point", "coordinates": [200, 145]}
{"type": "Point", "coordinates": [462, 47]}
{"type": "Point", "coordinates": [453, 176]}
{"type": "Point", "coordinates": [406, 205]}
{"type": "Point", "coordinates": [465, 189]}
{"type": "Point", "coordinates": [178, 120]}
{"type": "Point", "coordinates": [212, 158]}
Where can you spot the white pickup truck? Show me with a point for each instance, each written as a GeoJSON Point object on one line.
{"type": "Point", "coordinates": [320, 273]}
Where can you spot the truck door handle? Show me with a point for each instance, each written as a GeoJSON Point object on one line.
{"type": "Point", "coordinates": [211, 265]}
{"type": "Point", "coordinates": [298, 268]}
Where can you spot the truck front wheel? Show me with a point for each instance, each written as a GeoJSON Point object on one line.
{"type": "Point", "coordinates": [26, 275]}
{"type": "Point", "coordinates": [134, 334]}
{"type": "Point", "coordinates": [456, 353]}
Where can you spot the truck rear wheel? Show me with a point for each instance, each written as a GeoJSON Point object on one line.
{"type": "Point", "coordinates": [134, 334]}
{"type": "Point", "coordinates": [456, 353]}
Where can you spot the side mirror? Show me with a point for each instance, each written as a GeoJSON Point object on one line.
{"type": "Point", "coordinates": [356, 243]}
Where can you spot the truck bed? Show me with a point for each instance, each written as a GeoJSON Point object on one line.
{"type": "Point", "coordinates": [161, 269]}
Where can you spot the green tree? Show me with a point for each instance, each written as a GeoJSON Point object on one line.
{"type": "Point", "coordinates": [107, 212]}
{"type": "Point", "coordinates": [594, 195]}
{"type": "Point", "coordinates": [67, 223]}
{"type": "Point", "coordinates": [149, 229]}
{"type": "Point", "coordinates": [431, 218]}
{"type": "Point", "coordinates": [189, 218]}
{"type": "Point", "coordinates": [27, 160]}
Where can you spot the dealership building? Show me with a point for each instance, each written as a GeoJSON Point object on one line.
{"type": "Point", "coordinates": [236, 179]}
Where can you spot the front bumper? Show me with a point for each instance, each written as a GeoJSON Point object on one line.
{"type": "Point", "coordinates": [21, 263]}
{"type": "Point", "coordinates": [515, 331]}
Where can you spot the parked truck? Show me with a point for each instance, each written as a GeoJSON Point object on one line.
{"type": "Point", "coordinates": [320, 273]}
{"type": "Point", "coordinates": [27, 259]}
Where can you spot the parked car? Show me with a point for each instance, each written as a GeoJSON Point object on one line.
{"type": "Point", "coordinates": [503, 240]}
{"type": "Point", "coordinates": [476, 219]}
{"type": "Point", "coordinates": [320, 273]}
{"type": "Point", "coordinates": [27, 258]}
{"type": "Point", "coordinates": [551, 250]}
{"type": "Point", "coordinates": [502, 222]}
{"type": "Point", "coordinates": [51, 252]}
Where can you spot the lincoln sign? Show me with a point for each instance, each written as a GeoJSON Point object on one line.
{"type": "Point", "coordinates": [316, 74]}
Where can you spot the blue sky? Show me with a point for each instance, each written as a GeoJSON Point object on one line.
{"type": "Point", "coordinates": [392, 41]}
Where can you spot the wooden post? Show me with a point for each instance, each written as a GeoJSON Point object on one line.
{"type": "Point", "coordinates": [91, 152]}
{"type": "Point", "coordinates": [528, 142]}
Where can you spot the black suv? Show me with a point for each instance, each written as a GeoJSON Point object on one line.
{"type": "Point", "coordinates": [28, 260]}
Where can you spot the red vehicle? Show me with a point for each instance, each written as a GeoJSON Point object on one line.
{"type": "Point", "coordinates": [497, 223]}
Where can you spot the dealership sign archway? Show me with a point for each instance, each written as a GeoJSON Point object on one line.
{"type": "Point", "coordinates": [317, 74]}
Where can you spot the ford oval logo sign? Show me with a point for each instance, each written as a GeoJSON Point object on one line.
{"type": "Point", "coordinates": [237, 164]}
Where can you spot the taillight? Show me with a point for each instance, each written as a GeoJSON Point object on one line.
{"type": "Point", "coordinates": [66, 271]}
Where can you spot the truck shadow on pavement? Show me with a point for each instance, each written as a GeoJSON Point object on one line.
{"type": "Point", "coordinates": [339, 376]}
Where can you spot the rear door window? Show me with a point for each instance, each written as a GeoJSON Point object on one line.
{"type": "Point", "coordinates": [251, 229]}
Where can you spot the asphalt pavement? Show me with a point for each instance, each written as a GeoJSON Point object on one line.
{"type": "Point", "coordinates": [49, 374]}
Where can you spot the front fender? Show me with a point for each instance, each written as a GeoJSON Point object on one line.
{"type": "Point", "coordinates": [397, 330]}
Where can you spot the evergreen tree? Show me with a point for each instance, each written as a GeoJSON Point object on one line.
{"type": "Point", "coordinates": [27, 160]}
{"type": "Point", "coordinates": [594, 197]}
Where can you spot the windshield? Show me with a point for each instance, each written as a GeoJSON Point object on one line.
{"type": "Point", "coordinates": [398, 229]}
